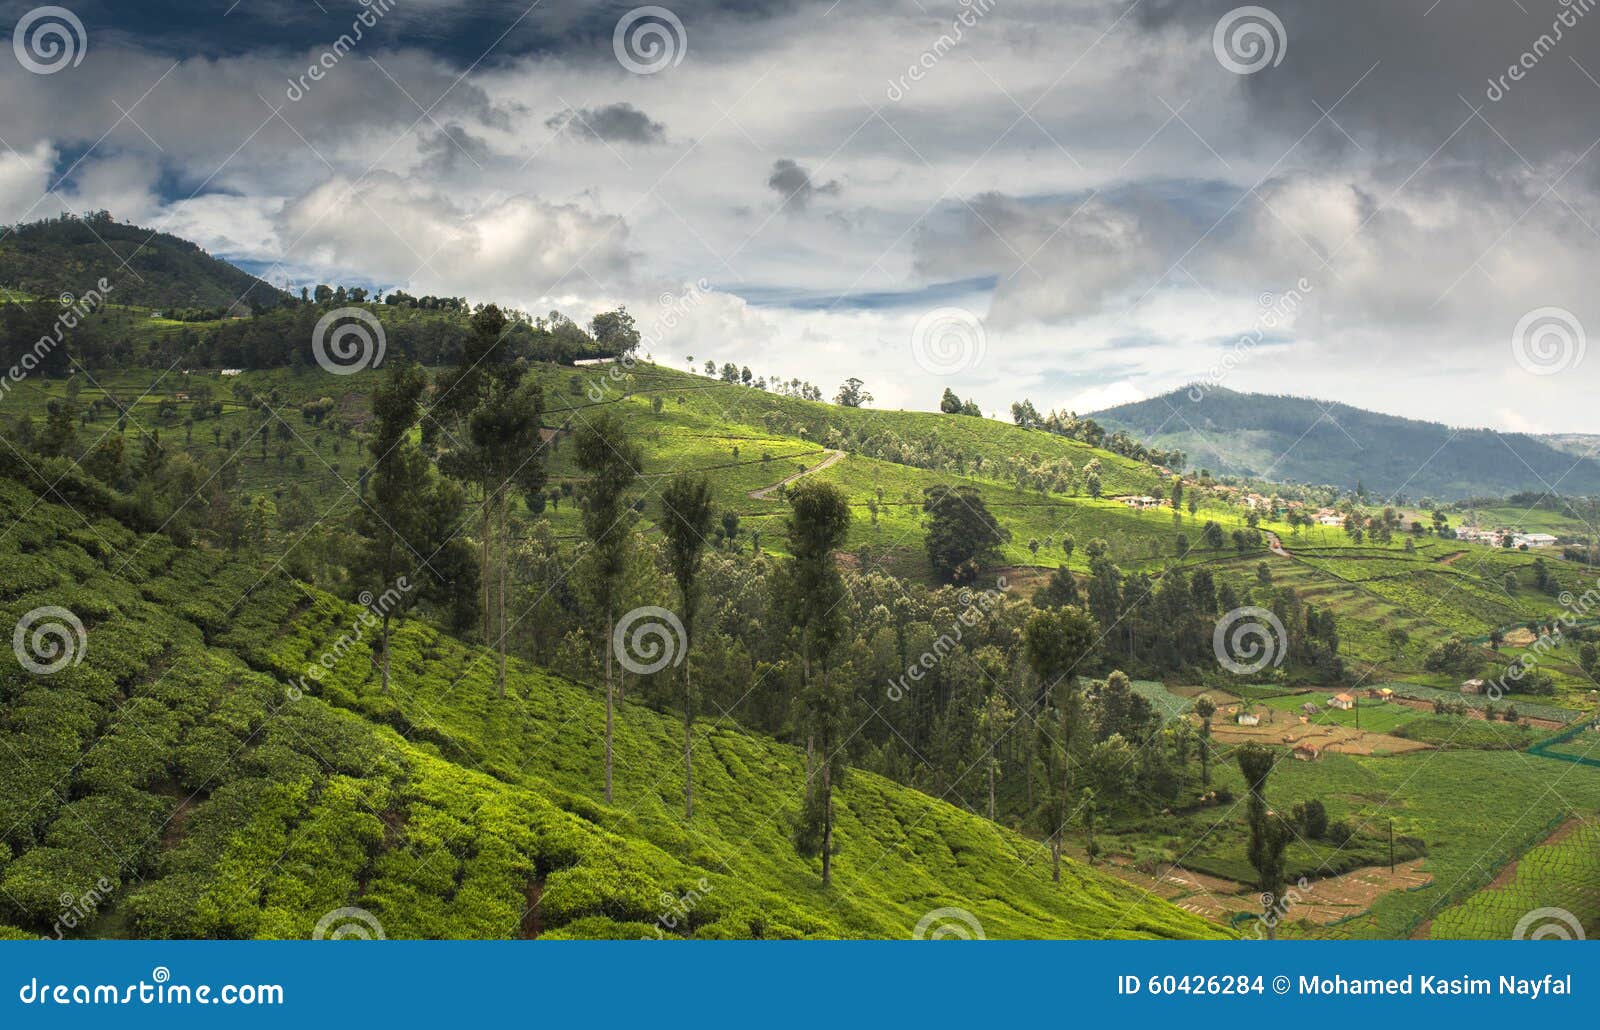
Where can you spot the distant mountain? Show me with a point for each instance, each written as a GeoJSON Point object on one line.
{"type": "Point", "coordinates": [70, 254]}
{"type": "Point", "coordinates": [1295, 439]}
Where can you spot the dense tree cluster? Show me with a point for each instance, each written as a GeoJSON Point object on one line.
{"type": "Point", "coordinates": [1087, 430]}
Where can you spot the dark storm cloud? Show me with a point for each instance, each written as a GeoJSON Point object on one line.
{"type": "Point", "coordinates": [452, 146]}
{"type": "Point", "coordinates": [462, 31]}
{"type": "Point", "coordinates": [795, 185]}
{"type": "Point", "coordinates": [613, 123]}
{"type": "Point", "coordinates": [1432, 60]}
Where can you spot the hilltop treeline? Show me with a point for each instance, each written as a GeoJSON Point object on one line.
{"type": "Point", "coordinates": [71, 253]}
{"type": "Point", "coordinates": [1086, 430]}
{"type": "Point", "coordinates": [114, 337]}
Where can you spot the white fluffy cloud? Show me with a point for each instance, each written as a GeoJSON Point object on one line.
{"type": "Point", "coordinates": [24, 178]}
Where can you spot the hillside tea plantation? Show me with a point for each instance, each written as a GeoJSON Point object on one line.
{"type": "Point", "coordinates": [180, 776]}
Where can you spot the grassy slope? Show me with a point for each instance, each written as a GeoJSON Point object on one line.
{"type": "Point", "coordinates": [172, 763]}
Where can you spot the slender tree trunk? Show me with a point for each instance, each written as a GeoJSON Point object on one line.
{"type": "Point", "coordinates": [827, 822]}
{"type": "Point", "coordinates": [1055, 857]}
{"type": "Point", "coordinates": [610, 698]}
{"type": "Point", "coordinates": [1205, 757]}
{"type": "Point", "coordinates": [688, 732]}
{"type": "Point", "coordinates": [483, 568]}
{"type": "Point", "coordinates": [805, 687]}
{"type": "Point", "coordinates": [991, 784]}
{"type": "Point", "coordinates": [504, 546]}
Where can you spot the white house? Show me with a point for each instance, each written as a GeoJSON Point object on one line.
{"type": "Point", "coordinates": [1343, 702]}
{"type": "Point", "coordinates": [1249, 719]}
{"type": "Point", "coordinates": [1534, 540]}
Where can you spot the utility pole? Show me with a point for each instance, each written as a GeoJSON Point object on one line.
{"type": "Point", "coordinates": [1391, 847]}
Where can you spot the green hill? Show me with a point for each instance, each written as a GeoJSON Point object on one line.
{"type": "Point", "coordinates": [1294, 439]}
{"type": "Point", "coordinates": [176, 774]}
{"type": "Point", "coordinates": [147, 268]}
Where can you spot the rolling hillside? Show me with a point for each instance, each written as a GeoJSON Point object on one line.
{"type": "Point", "coordinates": [148, 268]}
{"type": "Point", "coordinates": [1299, 440]}
{"type": "Point", "coordinates": [178, 773]}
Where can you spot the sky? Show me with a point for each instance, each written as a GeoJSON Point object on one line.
{"type": "Point", "coordinates": [1078, 202]}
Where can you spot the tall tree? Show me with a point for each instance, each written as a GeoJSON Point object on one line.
{"type": "Point", "coordinates": [961, 531]}
{"type": "Point", "coordinates": [1059, 644]}
{"type": "Point", "coordinates": [814, 594]}
{"type": "Point", "coordinates": [686, 521]}
{"type": "Point", "coordinates": [1205, 708]}
{"type": "Point", "coordinates": [504, 453]}
{"type": "Point", "coordinates": [406, 512]}
{"type": "Point", "coordinates": [993, 721]}
{"type": "Point", "coordinates": [1269, 833]}
{"type": "Point", "coordinates": [484, 361]}
{"type": "Point", "coordinates": [610, 463]}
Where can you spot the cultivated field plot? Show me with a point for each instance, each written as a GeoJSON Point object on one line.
{"type": "Point", "coordinates": [1283, 725]}
{"type": "Point", "coordinates": [1525, 706]}
{"type": "Point", "coordinates": [1560, 876]}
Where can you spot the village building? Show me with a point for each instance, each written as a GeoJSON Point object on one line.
{"type": "Point", "coordinates": [1472, 687]}
{"type": "Point", "coordinates": [1343, 702]}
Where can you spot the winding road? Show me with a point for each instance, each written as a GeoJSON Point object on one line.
{"type": "Point", "coordinates": [766, 492]}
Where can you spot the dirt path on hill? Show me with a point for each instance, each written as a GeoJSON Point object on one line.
{"type": "Point", "coordinates": [1276, 546]}
{"type": "Point", "coordinates": [766, 492]}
